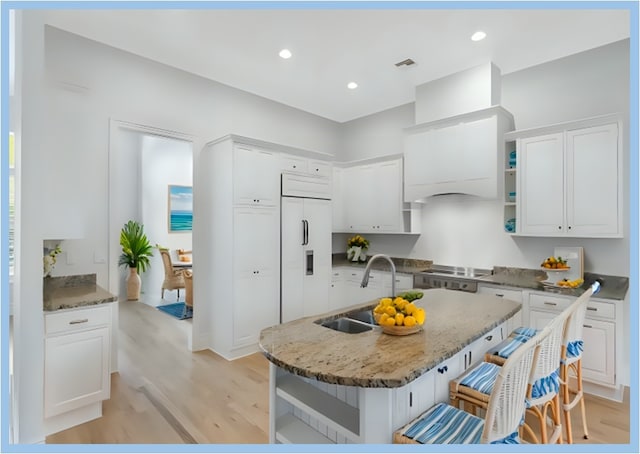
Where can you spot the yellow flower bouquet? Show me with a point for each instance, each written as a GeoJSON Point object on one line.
{"type": "Point", "coordinates": [357, 247]}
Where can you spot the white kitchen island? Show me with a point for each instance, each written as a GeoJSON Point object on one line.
{"type": "Point", "coordinates": [328, 386]}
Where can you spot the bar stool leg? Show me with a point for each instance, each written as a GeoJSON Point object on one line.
{"type": "Point", "coordinates": [581, 394]}
{"type": "Point", "coordinates": [566, 397]}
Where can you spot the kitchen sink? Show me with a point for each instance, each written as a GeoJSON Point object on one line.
{"type": "Point", "coordinates": [365, 316]}
{"type": "Point", "coordinates": [347, 325]}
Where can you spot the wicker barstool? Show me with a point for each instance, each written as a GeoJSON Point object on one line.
{"type": "Point", "coordinates": [444, 423]}
{"type": "Point", "coordinates": [550, 376]}
{"type": "Point", "coordinates": [474, 386]}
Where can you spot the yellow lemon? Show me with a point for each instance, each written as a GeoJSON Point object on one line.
{"type": "Point", "coordinates": [399, 318]}
{"type": "Point", "coordinates": [419, 315]}
{"type": "Point", "coordinates": [401, 304]}
{"type": "Point", "coordinates": [390, 321]}
{"type": "Point", "coordinates": [383, 318]}
{"type": "Point", "coordinates": [397, 299]}
{"type": "Point", "coordinates": [379, 309]}
{"type": "Point", "coordinates": [385, 301]}
{"type": "Point", "coordinates": [409, 320]}
{"type": "Point", "coordinates": [391, 311]}
{"type": "Point", "coordinates": [410, 308]}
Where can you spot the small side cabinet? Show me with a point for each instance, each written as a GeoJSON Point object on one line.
{"type": "Point", "coordinates": [77, 358]}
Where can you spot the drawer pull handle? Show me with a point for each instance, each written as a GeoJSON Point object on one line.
{"type": "Point", "coordinates": [550, 303]}
{"type": "Point", "coordinates": [587, 326]}
{"type": "Point", "coordinates": [442, 370]}
{"type": "Point", "coordinates": [76, 322]}
{"type": "Point", "coordinates": [501, 295]}
{"type": "Point", "coordinates": [592, 309]}
{"type": "Point", "coordinates": [488, 338]}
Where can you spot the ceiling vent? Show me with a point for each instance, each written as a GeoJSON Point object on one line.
{"type": "Point", "coordinates": [407, 62]}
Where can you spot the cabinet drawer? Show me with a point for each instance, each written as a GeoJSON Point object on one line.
{"type": "Point", "coordinates": [294, 164]}
{"type": "Point", "coordinates": [601, 309]}
{"type": "Point", "coordinates": [354, 275]}
{"type": "Point", "coordinates": [513, 295]}
{"type": "Point", "coordinates": [320, 168]}
{"type": "Point", "coordinates": [76, 320]}
{"type": "Point", "coordinates": [549, 303]}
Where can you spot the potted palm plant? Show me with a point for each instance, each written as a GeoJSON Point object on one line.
{"type": "Point", "coordinates": [136, 251]}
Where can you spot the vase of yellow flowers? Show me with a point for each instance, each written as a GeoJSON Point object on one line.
{"type": "Point", "coordinates": [357, 248]}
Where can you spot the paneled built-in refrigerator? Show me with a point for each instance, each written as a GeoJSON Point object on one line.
{"type": "Point", "coordinates": [305, 257]}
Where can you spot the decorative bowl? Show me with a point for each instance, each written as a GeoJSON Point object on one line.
{"type": "Point", "coordinates": [401, 330]}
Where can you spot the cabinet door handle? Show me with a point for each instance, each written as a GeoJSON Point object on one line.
{"type": "Point", "coordinates": [443, 369]}
{"type": "Point", "coordinates": [587, 326]}
{"type": "Point", "coordinates": [592, 309]}
{"type": "Point", "coordinates": [501, 295]}
{"type": "Point", "coordinates": [76, 322]}
{"type": "Point", "coordinates": [411, 399]}
{"type": "Point", "coordinates": [549, 303]}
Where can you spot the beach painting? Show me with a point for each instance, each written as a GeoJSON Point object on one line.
{"type": "Point", "coordinates": [180, 208]}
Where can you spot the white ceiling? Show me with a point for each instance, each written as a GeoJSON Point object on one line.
{"type": "Point", "coordinates": [333, 47]}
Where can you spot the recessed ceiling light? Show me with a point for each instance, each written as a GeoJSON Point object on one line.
{"type": "Point", "coordinates": [478, 36]}
{"type": "Point", "coordinates": [285, 53]}
{"type": "Point", "coordinates": [352, 85]}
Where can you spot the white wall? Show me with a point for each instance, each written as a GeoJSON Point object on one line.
{"type": "Point", "coordinates": [72, 88]}
{"type": "Point", "coordinates": [376, 135]}
{"type": "Point", "coordinates": [164, 162]}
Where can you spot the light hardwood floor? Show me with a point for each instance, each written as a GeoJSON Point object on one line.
{"type": "Point", "coordinates": [166, 394]}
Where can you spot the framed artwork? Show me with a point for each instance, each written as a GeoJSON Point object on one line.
{"type": "Point", "coordinates": [180, 208]}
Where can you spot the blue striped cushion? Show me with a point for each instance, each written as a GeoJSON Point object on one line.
{"type": "Point", "coordinates": [482, 377]}
{"type": "Point", "coordinates": [575, 349]}
{"type": "Point", "coordinates": [446, 424]}
{"type": "Point", "coordinates": [546, 385]}
{"type": "Point", "coordinates": [529, 332]}
{"type": "Point", "coordinates": [512, 345]}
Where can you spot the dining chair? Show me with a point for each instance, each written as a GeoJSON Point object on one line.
{"type": "Point", "coordinates": [173, 278]}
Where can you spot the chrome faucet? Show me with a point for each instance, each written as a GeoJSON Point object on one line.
{"type": "Point", "coordinates": [367, 270]}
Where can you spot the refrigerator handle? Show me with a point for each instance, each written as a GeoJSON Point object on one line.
{"type": "Point", "coordinates": [305, 232]}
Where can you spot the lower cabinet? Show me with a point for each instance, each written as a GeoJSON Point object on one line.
{"type": "Point", "coordinates": [346, 287]}
{"type": "Point", "coordinates": [76, 366]}
{"type": "Point", "coordinates": [598, 333]}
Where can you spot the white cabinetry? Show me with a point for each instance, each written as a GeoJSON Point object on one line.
{"type": "Point", "coordinates": [346, 290]}
{"type": "Point", "coordinates": [76, 366]}
{"type": "Point", "coordinates": [599, 333]}
{"type": "Point", "coordinates": [239, 245]}
{"type": "Point", "coordinates": [462, 154]}
{"type": "Point", "coordinates": [293, 163]}
{"type": "Point", "coordinates": [368, 199]}
{"type": "Point", "coordinates": [255, 281]}
{"type": "Point", "coordinates": [569, 179]}
{"type": "Point", "coordinates": [253, 176]}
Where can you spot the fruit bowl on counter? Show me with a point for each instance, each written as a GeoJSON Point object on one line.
{"type": "Point", "coordinates": [399, 316]}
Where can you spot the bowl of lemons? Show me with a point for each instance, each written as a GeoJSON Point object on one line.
{"type": "Point", "coordinates": [399, 316]}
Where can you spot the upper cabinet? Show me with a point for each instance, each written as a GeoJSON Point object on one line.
{"type": "Point", "coordinates": [368, 199]}
{"type": "Point", "coordinates": [462, 154]}
{"type": "Point", "coordinates": [568, 180]}
{"type": "Point", "coordinates": [255, 176]}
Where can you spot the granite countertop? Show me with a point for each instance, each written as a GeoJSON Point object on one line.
{"type": "Point", "coordinates": [403, 265]}
{"type": "Point", "coordinates": [613, 287]}
{"type": "Point", "coordinates": [68, 292]}
{"type": "Point", "coordinates": [373, 359]}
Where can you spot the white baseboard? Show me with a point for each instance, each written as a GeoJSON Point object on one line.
{"type": "Point", "coordinates": [72, 418]}
{"type": "Point", "coordinates": [606, 392]}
